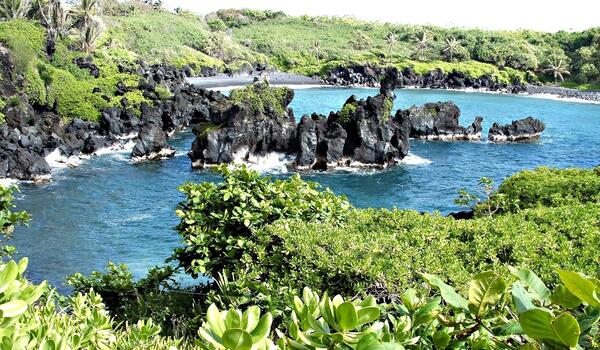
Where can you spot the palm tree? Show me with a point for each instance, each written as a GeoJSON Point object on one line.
{"type": "Point", "coordinates": [12, 9]}
{"type": "Point", "coordinates": [558, 67]}
{"type": "Point", "coordinates": [90, 34]}
{"type": "Point", "coordinates": [316, 46]}
{"type": "Point", "coordinates": [390, 41]}
{"type": "Point", "coordinates": [84, 11]}
{"type": "Point", "coordinates": [452, 46]}
{"type": "Point", "coordinates": [422, 44]}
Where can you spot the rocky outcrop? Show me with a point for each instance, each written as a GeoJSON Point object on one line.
{"type": "Point", "coordinates": [439, 121]}
{"type": "Point", "coordinates": [368, 75]}
{"type": "Point", "coordinates": [32, 136]}
{"type": "Point", "coordinates": [522, 130]}
{"type": "Point", "coordinates": [257, 125]}
{"type": "Point", "coordinates": [151, 142]}
{"type": "Point", "coordinates": [363, 133]}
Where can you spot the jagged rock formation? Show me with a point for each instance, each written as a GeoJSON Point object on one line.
{"type": "Point", "coordinates": [440, 121]}
{"type": "Point", "coordinates": [364, 132]}
{"type": "Point", "coordinates": [151, 142]}
{"type": "Point", "coordinates": [522, 130]}
{"type": "Point", "coordinates": [258, 123]}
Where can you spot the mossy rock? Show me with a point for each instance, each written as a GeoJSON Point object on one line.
{"type": "Point", "coordinates": [262, 98]}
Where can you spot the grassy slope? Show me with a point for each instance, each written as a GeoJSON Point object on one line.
{"type": "Point", "coordinates": [290, 45]}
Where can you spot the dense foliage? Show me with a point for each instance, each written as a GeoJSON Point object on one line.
{"type": "Point", "coordinates": [262, 98]}
{"type": "Point", "coordinates": [218, 221]}
{"type": "Point", "coordinates": [311, 45]}
{"type": "Point", "coordinates": [545, 187]}
{"type": "Point", "coordinates": [263, 240]}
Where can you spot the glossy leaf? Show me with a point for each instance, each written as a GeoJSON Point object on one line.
{"type": "Point", "coordinates": [237, 339]}
{"type": "Point", "coordinates": [346, 316]}
{"type": "Point", "coordinates": [535, 284]}
{"type": "Point", "coordinates": [541, 325]}
{"type": "Point", "coordinates": [484, 290]}
{"type": "Point", "coordinates": [448, 293]}
{"type": "Point", "coordinates": [581, 287]}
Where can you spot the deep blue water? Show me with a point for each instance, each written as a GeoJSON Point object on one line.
{"type": "Point", "coordinates": [110, 209]}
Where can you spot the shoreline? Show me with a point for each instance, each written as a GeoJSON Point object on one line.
{"type": "Point", "coordinates": [297, 81]}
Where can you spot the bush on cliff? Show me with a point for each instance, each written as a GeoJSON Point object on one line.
{"type": "Point", "coordinates": [262, 98]}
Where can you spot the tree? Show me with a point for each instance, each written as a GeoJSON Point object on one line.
{"type": "Point", "coordinates": [13, 9]}
{"type": "Point", "coordinates": [422, 44]}
{"type": "Point", "coordinates": [391, 40]}
{"type": "Point", "coordinates": [360, 40]}
{"type": "Point", "coordinates": [90, 34]}
{"type": "Point", "coordinates": [316, 46]}
{"type": "Point", "coordinates": [452, 47]}
{"type": "Point", "coordinates": [56, 21]}
{"type": "Point", "coordinates": [84, 11]}
{"type": "Point", "coordinates": [558, 66]}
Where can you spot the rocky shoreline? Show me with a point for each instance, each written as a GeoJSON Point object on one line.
{"type": "Point", "coordinates": [367, 76]}
{"type": "Point", "coordinates": [363, 133]}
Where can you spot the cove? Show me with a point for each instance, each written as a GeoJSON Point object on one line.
{"type": "Point", "coordinates": [110, 209]}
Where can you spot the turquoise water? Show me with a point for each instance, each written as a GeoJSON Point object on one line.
{"type": "Point", "coordinates": [110, 209]}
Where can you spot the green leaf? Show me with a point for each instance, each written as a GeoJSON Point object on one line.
{"type": "Point", "coordinates": [250, 318]}
{"type": "Point", "coordinates": [448, 293]}
{"type": "Point", "coordinates": [535, 284]}
{"type": "Point", "coordinates": [521, 298]}
{"type": "Point", "coordinates": [8, 275]}
{"type": "Point", "coordinates": [233, 319]}
{"type": "Point", "coordinates": [580, 286]}
{"type": "Point", "coordinates": [237, 339]}
{"type": "Point", "coordinates": [485, 289]}
{"type": "Point", "coordinates": [13, 308]}
{"type": "Point", "coordinates": [540, 325]}
{"type": "Point", "coordinates": [368, 314]}
{"type": "Point", "coordinates": [561, 296]}
{"type": "Point", "coordinates": [214, 320]}
{"type": "Point", "coordinates": [346, 316]}
{"type": "Point", "coordinates": [441, 339]}
{"type": "Point", "coordinates": [262, 328]}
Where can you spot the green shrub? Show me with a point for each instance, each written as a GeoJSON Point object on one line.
{"type": "Point", "coordinates": [550, 187]}
{"type": "Point", "coordinates": [347, 110]}
{"type": "Point", "coordinates": [216, 24]}
{"type": "Point", "coordinates": [14, 101]}
{"type": "Point", "coordinates": [388, 247]}
{"type": "Point", "coordinates": [26, 39]}
{"type": "Point", "coordinates": [72, 97]}
{"type": "Point", "coordinates": [218, 220]}
{"type": "Point", "coordinates": [261, 98]}
{"type": "Point", "coordinates": [8, 220]}
{"type": "Point", "coordinates": [163, 92]}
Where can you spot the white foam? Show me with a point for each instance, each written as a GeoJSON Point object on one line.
{"type": "Point", "coordinates": [273, 163]}
{"type": "Point", "coordinates": [58, 161]}
{"type": "Point", "coordinates": [413, 159]}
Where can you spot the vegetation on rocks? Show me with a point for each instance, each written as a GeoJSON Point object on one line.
{"type": "Point", "coordinates": [262, 98]}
